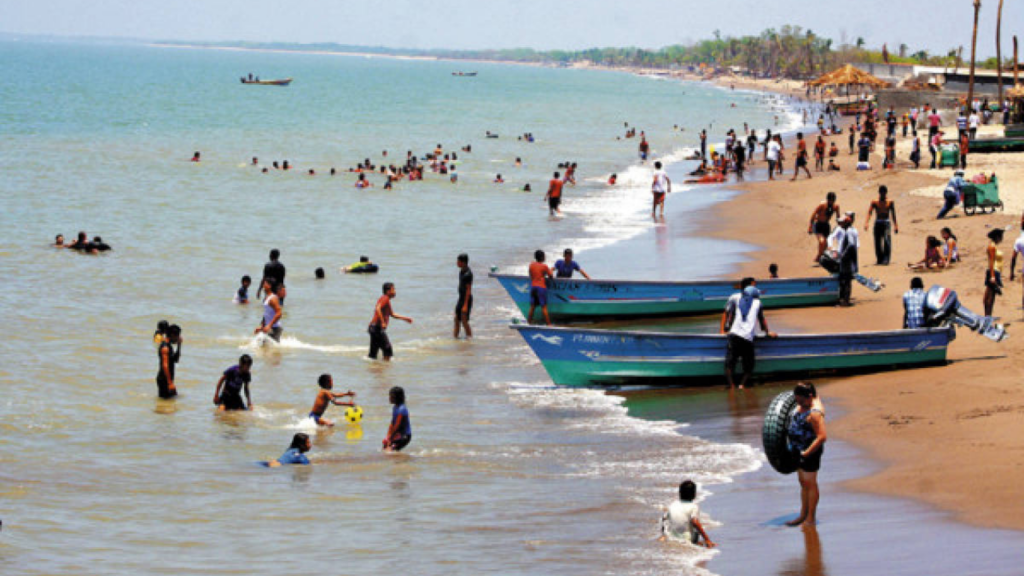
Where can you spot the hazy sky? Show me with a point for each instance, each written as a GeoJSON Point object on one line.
{"type": "Point", "coordinates": [542, 24]}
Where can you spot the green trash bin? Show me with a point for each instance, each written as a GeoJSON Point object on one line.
{"type": "Point", "coordinates": [949, 155]}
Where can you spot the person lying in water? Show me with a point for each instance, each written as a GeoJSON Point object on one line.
{"type": "Point", "coordinates": [364, 266]}
{"type": "Point", "coordinates": [295, 454]}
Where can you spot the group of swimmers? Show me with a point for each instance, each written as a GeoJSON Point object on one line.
{"type": "Point", "coordinates": [82, 244]}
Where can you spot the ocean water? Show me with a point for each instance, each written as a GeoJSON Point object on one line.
{"type": "Point", "coordinates": [505, 473]}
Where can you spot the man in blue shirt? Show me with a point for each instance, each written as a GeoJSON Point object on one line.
{"type": "Point", "coordinates": [913, 304]}
{"type": "Point", "coordinates": [565, 267]}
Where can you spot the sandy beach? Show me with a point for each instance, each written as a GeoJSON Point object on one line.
{"type": "Point", "coordinates": [950, 436]}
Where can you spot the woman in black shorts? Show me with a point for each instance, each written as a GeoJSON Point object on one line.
{"type": "Point", "coordinates": [807, 435]}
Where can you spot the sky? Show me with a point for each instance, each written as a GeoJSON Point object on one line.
{"type": "Point", "coordinates": [540, 24]}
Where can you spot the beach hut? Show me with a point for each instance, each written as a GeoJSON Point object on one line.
{"type": "Point", "coordinates": [848, 76]}
{"type": "Point", "coordinates": [1016, 97]}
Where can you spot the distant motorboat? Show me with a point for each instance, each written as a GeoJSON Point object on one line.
{"type": "Point", "coordinates": [284, 82]}
{"type": "Point", "coordinates": [463, 73]}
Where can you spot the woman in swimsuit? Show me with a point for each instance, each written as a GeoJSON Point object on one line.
{"type": "Point", "coordinates": [994, 272]}
{"type": "Point", "coordinates": [807, 435]}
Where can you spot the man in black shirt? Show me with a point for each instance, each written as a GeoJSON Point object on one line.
{"type": "Point", "coordinates": [275, 270]}
{"type": "Point", "coordinates": [465, 303]}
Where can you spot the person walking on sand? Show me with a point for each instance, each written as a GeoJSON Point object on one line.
{"type": "Point", "coordinates": [1018, 250]}
{"type": "Point", "coordinates": [539, 273]}
{"type": "Point", "coordinates": [465, 304]}
{"type": "Point", "coordinates": [801, 157]}
{"type": "Point", "coordinates": [845, 241]}
{"type": "Point", "coordinates": [885, 223]}
{"type": "Point", "coordinates": [952, 193]}
{"type": "Point", "coordinates": [169, 356]}
{"type": "Point", "coordinates": [554, 195]}
{"type": "Point", "coordinates": [819, 154]}
{"type": "Point", "coordinates": [743, 312]}
{"type": "Point", "coordinates": [382, 315]}
{"type": "Point", "coordinates": [820, 222]}
{"type": "Point", "coordinates": [994, 272]}
{"type": "Point", "coordinates": [660, 186]}
{"type": "Point", "coordinates": [807, 436]}
{"type": "Point", "coordinates": [773, 152]}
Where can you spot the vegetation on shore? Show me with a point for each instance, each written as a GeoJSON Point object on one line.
{"type": "Point", "coordinates": [789, 52]}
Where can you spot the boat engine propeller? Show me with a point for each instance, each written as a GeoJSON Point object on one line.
{"type": "Point", "coordinates": [942, 306]}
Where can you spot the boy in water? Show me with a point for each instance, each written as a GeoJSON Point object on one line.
{"type": "Point", "coordinates": [464, 306]}
{"type": "Point", "coordinates": [682, 519]}
{"type": "Point", "coordinates": [228, 395]}
{"type": "Point", "coordinates": [554, 195]}
{"type": "Point", "coordinates": [400, 431]}
{"type": "Point", "coordinates": [382, 314]}
{"type": "Point", "coordinates": [168, 358]}
{"type": "Point", "coordinates": [324, 399]}
{"type": "Point", "coordinates": [242, 296]}
{"type": "Point", "coordinates": [539, 273]}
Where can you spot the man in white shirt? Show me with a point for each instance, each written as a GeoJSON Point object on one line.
{"type": "Point", "coordinates": [774, 149]}
{"type": "Point", "coordinates": [845, 241]}
{"type": "Point", "coordinates": [1018, 250]}
{"type": "Point", "coordinates": [743, 312]}
{"type": "Point", "coordinates": [973, 122]}
{"type": "Point", "coordinates": [660, 186]}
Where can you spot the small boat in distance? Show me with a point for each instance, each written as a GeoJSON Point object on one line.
{"type": "Point", "coordinates": [257, 81]}
{"type": "Point", "coordinates": [463, 73]}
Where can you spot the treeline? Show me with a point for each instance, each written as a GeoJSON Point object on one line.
{"type": "Point", "coordinates": [789, 52]}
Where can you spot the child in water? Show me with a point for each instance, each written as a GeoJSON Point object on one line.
{"type": "Point", "coordinates": [160, 334]}
{"type": "Point", "coordinates": [234, 380]}
{"type": "Point", "coordinates": [400, 431]}
{"type": "Point", "coordinates": [682, 519]}
{"type": "Point", "coordinates": [296, 453]}
{"type": "Point", "coordinates": [324, 398]}
{"type": "Point", "coordinates": [242, 296]}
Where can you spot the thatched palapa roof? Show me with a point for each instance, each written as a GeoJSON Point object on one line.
{"type": "Point", "coordinates": [849, 76]}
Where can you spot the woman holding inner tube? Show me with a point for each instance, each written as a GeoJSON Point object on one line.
{"type": "Point", "coordinates": [807, 437]}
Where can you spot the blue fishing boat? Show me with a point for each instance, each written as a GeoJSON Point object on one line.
{"type": "Point", "coordinates": [580, 299]}
{"type": "Point", "coordinates": [589, 357]}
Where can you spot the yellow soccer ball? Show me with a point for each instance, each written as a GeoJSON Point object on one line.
{"type": "Point", "coordinates": [354, 414]}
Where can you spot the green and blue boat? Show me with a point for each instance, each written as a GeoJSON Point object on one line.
{"type": "Point", "coordinates": [579, 299]}
{"type": "Point", "coordinates": [609, 358]}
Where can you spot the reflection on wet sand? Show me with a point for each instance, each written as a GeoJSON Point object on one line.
{"type": "Point", "coordinates": [812, 562]}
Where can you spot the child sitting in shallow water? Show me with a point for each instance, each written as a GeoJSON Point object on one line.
{"type": "Point", "coordinates": [682, 519]}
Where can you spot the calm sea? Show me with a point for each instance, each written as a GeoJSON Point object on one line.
{"type": "Point", "coordinates": [505, 473]}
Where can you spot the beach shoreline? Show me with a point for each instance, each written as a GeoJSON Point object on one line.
{"type": "Point", "coordinates": [931, 442]}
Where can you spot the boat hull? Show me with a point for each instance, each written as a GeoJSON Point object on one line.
{"type": "Point", "coordinates": [587, 357]}
{"type": "Point", "coordinates": [572, 299]}
{"type": "Point", "coordinates": [284, 82]}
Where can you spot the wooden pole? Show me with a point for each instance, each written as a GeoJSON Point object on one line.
{"type": "Point", "coordinates": [974, 46]}
{"type": "Point", "coordinates": [1015, 64]}
{"type": "Point", "coordinates": [999, 54]}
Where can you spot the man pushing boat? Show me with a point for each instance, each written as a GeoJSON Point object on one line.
{"type": "Point", "coordinates": [743, 312]}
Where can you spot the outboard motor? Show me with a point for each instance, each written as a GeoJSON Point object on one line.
{"type": "Point", "coordinates": [941, 306]}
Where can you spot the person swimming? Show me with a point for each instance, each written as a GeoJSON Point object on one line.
{"type": "Point", "coordinates": [295, 454]}
{"type": "Point", "coordinates": [364, 266]}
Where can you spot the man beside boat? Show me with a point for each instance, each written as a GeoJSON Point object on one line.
{"type": "Point", "coordinates": [845, 241]}
{"type": "Point", "coordinates": [566, 266]}
{"type": "Point", "coordinates": [913, 304]}
{"type": "Point", "coordinates": [743, 312]}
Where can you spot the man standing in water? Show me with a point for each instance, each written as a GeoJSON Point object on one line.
{"type": "Point", "coordinates": [742, 314]}
{"type": "Point", "coordinates": [554, 195]}
{"type": "Point", "coordinates": [465, 304]}
{"type": "Point", "coordinates": [168, 358]}
{"type": "Point", "coordinates": [660, 186]}
{"type": "Point", "coordinates": [274, 269]}
{"type": "Point", "coordinates": [382, 314]}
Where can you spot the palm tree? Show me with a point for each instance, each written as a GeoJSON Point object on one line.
{"type": "Point", "coordinates": [999, 56]}
{"type": "Point", "coordinates": [974, 46]}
